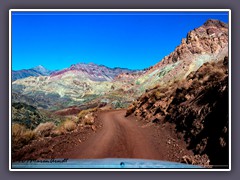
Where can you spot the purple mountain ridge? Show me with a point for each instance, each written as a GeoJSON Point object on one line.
{"type": "Point", "coordinates": [93, 71]}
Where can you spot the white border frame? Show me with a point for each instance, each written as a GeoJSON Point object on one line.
{"type": "Point", "coordinates": [115, 10]}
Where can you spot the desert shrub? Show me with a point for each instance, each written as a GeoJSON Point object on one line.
{"type": "Point", "coordinates": [69, 125]}
{"type": "Point", "coordinates": [118, 104]}
{"type": "Point", "coordinates": [86, 117]}
{"type": "Point", "coordinates": [215, 75]}
{"type": "Point", "coordinates": [89, 119]}
{"type": "Point", "coordinates": [83, 113]}
{"type": "Point", "coordinates": [219, 73]}
{"type": "Point", "coordinates": [162, 73]}
{"type": "Point", "coordinates": [21, 136]}
{"type": "Point", "coordinates": [138, 83]}
{"type": "Point", "coordinates": [206, 67]}
{"type": "Point", "coordinates": [158, 94]}
{"type": "Point", "coordinates": [163, 89]}
{"type": "Point", "coordinates": [17, 130]}
{"type": "Point", "coordinates": [57, 132]}
{"type": "Point", "coordinates": [26, 115]}
{"type": "Point", "coordinates": [44, 129]}
{"type": "Point", "coordinates": [195, 83]}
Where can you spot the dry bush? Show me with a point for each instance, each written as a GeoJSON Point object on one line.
{"type": "Point", "coordinates": [219, 73]}
{"type": "Point", "coordinates": [164, 89]}
{"type": "Point", "coordinates": [21, 136]}
{"type": "Point", "coordinates": [158, 94]}
{"type": "Point", "coordinates": [69, 125]}
{"type": "Point", "coordinates": [195, 83]}
{"type": "Point", "coordinates": [57, 132]}
{"type": "Point", "coordinates": [151, 97]}
{"type": "Point", "coordinates": [215, 75]}
{"type": "Point", "coordinates": [44, 129]}
{"type": "Point", "coordinates": [17, 130]}
{"type": "Point", "coordinates": [88, 119]}
{"type": "Point", "coordinates": [83, 113]}
{"type": "Point", "coordinates": [207, 68]}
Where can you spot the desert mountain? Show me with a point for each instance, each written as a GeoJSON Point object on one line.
{"type": "Point", "coordinates": [86, 83]}
{"type": "Point", "coordinates": [197, 107]}
{"type": "Point", "coordinates": [91, 71]}
{"type": "Point", "coordinates": [78, 84]}
{"type": "Point", "coordinates": [192, 93]}
{"type": "Point", "coordinates": [206, 43]}
{"type": "Point", "coordinates": [36, 71]}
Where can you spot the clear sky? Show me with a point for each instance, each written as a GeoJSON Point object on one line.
{"type": "Point", "coordinates": [134, 40]}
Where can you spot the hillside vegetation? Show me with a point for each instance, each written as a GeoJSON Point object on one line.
{"type": "Point", "coordinates": [197, 106]}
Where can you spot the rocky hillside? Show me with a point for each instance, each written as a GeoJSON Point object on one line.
{"type": "Point", "coordinates": [30, 117]}
{"type": "Point", "coordinates": [206, 43]}
{"type": "Point", "coordinates": [36, 71]}
{"type": "Point", "coordinates": [197, 106]}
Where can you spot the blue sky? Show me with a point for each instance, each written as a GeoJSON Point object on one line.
{"type": "Point", "coordinates": [134, 40]}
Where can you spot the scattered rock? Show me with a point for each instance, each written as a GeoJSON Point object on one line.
{"type": "Point", "coordinates": [94, 128]}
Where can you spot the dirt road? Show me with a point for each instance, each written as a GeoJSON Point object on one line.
{"type": "Point", "coordinates": [126, 137]}
{"type": "Point", "coordinates": [120, 137]}
{"type": "Point", "coordinates": [117, 136]}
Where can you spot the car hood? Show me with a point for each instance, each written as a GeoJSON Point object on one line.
{"type": "Point", "coordinates": [98, 163]}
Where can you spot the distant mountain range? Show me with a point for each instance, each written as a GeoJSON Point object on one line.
{"type": "Point", "coordinates": [84, 83]}
{"type": "Point", "coordinates": [92, 71]}
{"type": "Point", "coordinates": [80, 83]}
{"type": "Point", "coordinates": [36, 71]}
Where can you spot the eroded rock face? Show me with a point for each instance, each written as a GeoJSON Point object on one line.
{"type": "Point", "coordinates": [198, 106]}
{"type": "Point", "coordinates": [207, 39]}
{"type": "Point", "coordinates": [206, 43]}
